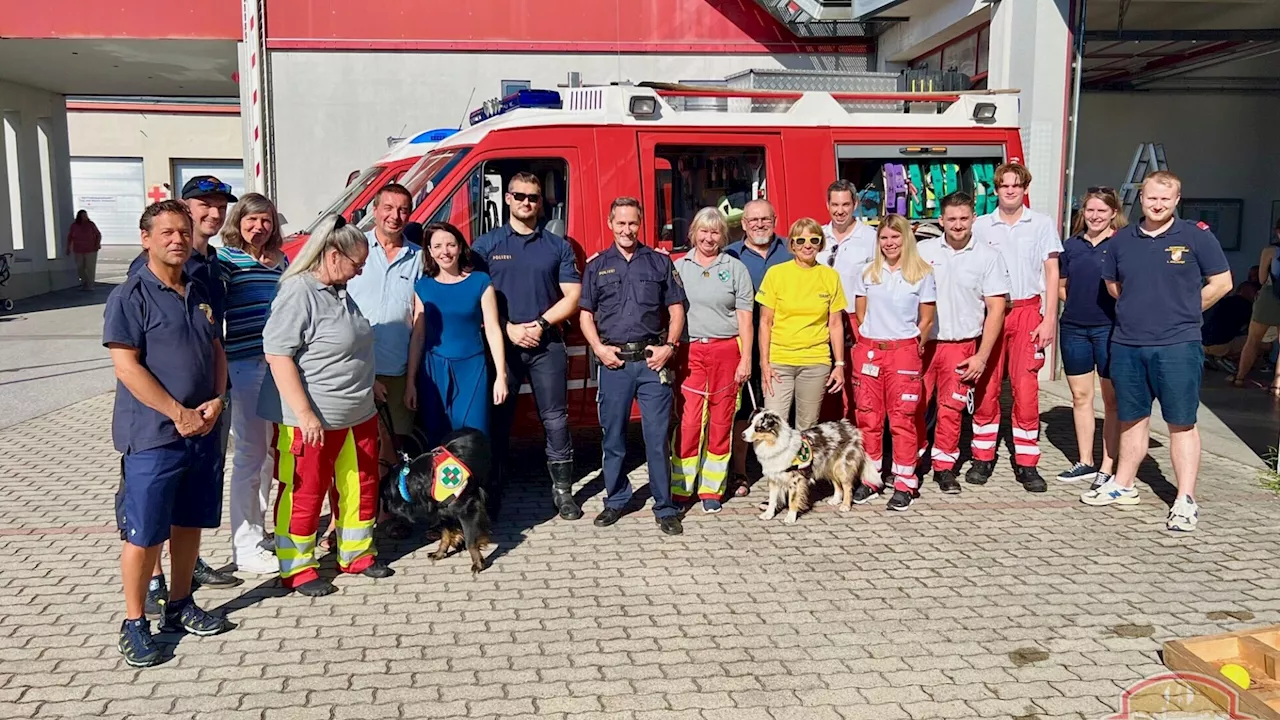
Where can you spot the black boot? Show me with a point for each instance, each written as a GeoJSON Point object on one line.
{"type": "Point", "coordinates": [562, 489]}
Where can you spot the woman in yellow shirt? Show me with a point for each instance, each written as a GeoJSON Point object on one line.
{"type": "Point", "coordinates": [801, 330]}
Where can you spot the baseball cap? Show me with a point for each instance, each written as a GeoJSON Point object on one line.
{"type": "Point", "coordinates": [202, 185]}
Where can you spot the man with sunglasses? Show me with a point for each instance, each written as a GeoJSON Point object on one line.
{"type": "Point", "coordinates": [1029, 243]}
{"type": "Point", "coordinates": [535, 275]}
{"type": "Point", "coordinates": [206, 198]}
{"type": "Point", "coordinates": [851, 244]}
{"type": "Point", "coordinates": [760, 250]}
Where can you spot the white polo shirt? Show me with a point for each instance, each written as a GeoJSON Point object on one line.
{"type": "Point", "coordinates": [1024, 245]}
{"type": "Point", "coordinates": [893, 304]}
{"type": "Point", "coordinates": [964, 278]}
{"type": "Point", "coordinates": [851, 255]}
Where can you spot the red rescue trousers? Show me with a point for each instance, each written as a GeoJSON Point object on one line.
{"type": "Point", "coordinates": [707, 401]}
{"type": "Point", "coordinates": [1024, 360]}
{"type": "Point", "coordinates": [940, 360]}
{"type": "Point", "coordinates": [888, 373]}
{"type": "Point", "coordinates": [836, 407]}
{"type": "Point", "coordinates": [347, 460]}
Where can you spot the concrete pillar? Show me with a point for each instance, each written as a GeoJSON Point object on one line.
{"type": "Point", "coordinates": [1030, 51]}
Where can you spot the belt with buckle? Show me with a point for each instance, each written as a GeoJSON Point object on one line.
{"type": "Point", "coordinates": [889, 344]}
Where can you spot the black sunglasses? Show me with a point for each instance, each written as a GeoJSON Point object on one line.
{"type": "Point", "coordinates": [1101, 190]}
{"type": "Point", "coordinates": [521, 197]}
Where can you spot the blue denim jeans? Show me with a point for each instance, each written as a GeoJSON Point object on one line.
{"type": "Point", "coordinates": [1168, 373]}
{"type": "Point", "coordinates": [1085, 349]}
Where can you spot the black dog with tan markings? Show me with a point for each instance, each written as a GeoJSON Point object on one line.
{"type": "Point", "coordinates": [446, 488]}
{"type": "Point", "coordinates": [792, 460]}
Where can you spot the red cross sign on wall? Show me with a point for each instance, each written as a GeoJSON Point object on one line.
{"type": "Point", "coordinates": [158, 193]}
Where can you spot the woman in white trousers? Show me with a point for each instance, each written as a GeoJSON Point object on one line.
{"type": "Point", "coordinates": [251, 263]}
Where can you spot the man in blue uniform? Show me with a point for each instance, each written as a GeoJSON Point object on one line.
{"type": "Point", "coordinates": [206, 198]}
{"type": "Point", "coordinates": [1157, 271]}
{"type": "Point", "coordinates": [760, 250]}
{"type": "Point", "coordinates": [535, 275]}
{"type": "Point", "coordinates": [625, 291]}
{"type": "Point", "coordinates": [166, 346]}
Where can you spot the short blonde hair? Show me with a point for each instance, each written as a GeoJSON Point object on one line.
{"type": "Point", "coordinates": [1165, 178]}
{"type": "Point", "coordinates": [806, 225]}
{"type": "Point", "coordinates": [709, 217]}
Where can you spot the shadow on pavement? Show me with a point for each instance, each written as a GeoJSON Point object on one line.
{"type": "Point", "coordinates": [60, 300]}
{"type": "Point", "coordinates": [1250, 412]}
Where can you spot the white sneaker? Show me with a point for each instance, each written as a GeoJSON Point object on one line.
{"type": "Point", "coordinates": [1183, 515]}
{"type": "Point", "coordinates": [1111, 494]}
{"type": "Point", "coordinates": [258, 562]}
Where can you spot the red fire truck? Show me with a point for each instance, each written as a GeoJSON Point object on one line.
{"type": "Point", "coordinates": [354, 202]}
{"type": "Point", "coordinates": [680, 148]}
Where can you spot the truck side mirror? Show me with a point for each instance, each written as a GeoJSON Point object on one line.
{"type": "Point", "coordinates": [357, 215]}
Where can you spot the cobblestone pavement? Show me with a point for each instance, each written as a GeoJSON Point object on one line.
{"type": "Point", "coordinates": [935, 613]}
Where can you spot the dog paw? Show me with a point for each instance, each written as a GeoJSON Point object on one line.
{"type": "Point", "coordinates": [846, 508]}
{"type": "Point", "coordinates": [790, 519]}
{"type": "Point", "coordinates": [833, 501]}
{"type": "Point", "coordinates": [766, 515]}
{"type": "Point", "coordinates": [476, 569]}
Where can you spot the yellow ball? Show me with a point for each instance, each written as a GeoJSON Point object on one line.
{"type": "Point", "coordinates": [1236, 674]}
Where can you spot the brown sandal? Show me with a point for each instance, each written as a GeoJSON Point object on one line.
{"type": "Point", "coordinates": [741, 485]}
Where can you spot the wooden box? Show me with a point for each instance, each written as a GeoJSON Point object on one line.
{"type": "Point", "coordinates": [1257, 651]}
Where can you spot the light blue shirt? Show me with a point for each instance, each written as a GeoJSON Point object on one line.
{"type": "Point", "coordinates": [384, 294]}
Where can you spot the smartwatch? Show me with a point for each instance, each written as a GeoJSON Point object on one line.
{"type": "Point", "coordinates": [542, 323]}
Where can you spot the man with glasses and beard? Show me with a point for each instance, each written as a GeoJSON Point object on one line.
{"type": "Point", "coordinates": [759, 251]}
{"type": "Point", "coordinates": [536, 277]}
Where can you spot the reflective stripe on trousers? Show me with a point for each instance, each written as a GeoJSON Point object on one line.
{"type": "Point", "coordinates": [1024, 360]}
{"type": "Point", "coordinates": [347, 460]}
{"type": "Point", "coordinates": [708, 397]}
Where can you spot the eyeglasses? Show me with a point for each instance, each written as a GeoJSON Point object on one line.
{"type": "Point", "coordinates": [1101, 190]}
{"type": "Point", "coordinates": [358, 266]}
{"type": "Point", "coordinates": [212, 186]}
{"type": "Point", "coordinates": [814, 241]}
{"type": "Point", "coordinates": [758, 221]}
{"type": "Point", "coordinates": [521, 197]}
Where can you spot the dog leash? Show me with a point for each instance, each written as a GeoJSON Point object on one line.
{"type": "Point", "coordinates": [401, 469]}
{"type": "Point", "coordinates": [751, 393]}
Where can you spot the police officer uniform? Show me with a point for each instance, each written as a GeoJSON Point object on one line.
{"type": "Point", "coordinates": [627, 300]}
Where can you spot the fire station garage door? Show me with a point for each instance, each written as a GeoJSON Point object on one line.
{"type": "Point", "coordinates": [230, 172]}
{"type": "Point", "coordinates": [113, 192]}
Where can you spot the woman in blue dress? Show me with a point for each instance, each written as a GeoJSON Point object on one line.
{"type": "Point", "coordinates": [455, 312]}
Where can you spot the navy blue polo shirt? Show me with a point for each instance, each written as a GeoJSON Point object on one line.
{"type": "Point", "coordinates": [526, 270]}
{"type": "Point", "coordinates": [1088, 302]}
{"type": "Point", "coordinates": [202, 268]}
{"type": "Point", "coordinates": [176, 335]}
{"type": "Point", "coordinates": [756, 264]}
{"type": "Point", "coordinates": [628, 299]}
{"type": "Point", "coordinates": [1161, 277]}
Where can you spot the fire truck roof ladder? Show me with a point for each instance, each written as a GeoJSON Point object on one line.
{"type": "Point", "coordinates": [1148, 158]}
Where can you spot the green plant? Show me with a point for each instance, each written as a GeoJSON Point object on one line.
{"type": "Point", "coordinates": [1269, 477]}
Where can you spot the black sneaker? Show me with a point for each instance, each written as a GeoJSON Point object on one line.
{"type": "Point", "coordinates": [205, 576]}
{"type": "Point", "coordinates": [378, 570]}
{"type": "Point", "coordinates": [157, 598]}
{"type": "Point", "coordinates": [947, 482]}
{"type": "Point", "coordinates": [980, 472]}
{"type": "Point", "coordinates": [186, 616]}
{"type": "Point", "coordinates": [1030, 479]}
{"type": "Point", "coordinates": [900, 501]}
{"type": "Point", "coordinates": [136, 645]}
{"type": "Point", "coordinates": [863, 494]}
{"type": "Point", "coordinates": [1078, 472]}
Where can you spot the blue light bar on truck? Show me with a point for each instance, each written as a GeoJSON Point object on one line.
{"type": "Point", "coordinates": [432, 136]}
{"type": "Point", "coordinates": [548, 99]}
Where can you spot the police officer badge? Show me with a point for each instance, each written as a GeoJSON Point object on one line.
{"type": "Point", "coordinates": [208, 311]}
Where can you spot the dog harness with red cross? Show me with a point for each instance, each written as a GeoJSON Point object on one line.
{"type": "Point", "coordinates": [449, 475]}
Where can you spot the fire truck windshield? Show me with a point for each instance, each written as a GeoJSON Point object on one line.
{"type": "Point", "coordinates": [424, 176]}
{"type": "Point", "coordinates": [352, 191]}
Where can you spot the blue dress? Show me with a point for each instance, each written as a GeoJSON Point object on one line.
{"type": "Point", "coordinates": [453, 383]}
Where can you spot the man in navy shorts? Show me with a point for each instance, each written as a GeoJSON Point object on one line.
{"type": "Point", "coordinates": [1157, 271]}
{"type": "Point", "coordinates": [166, 347]}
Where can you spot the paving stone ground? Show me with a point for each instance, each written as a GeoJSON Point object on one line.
{"type": "Point", "coordinates": [934, 613]}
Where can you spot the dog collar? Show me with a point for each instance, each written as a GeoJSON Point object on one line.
{"type": "Point", "coordinates": [404, 482]}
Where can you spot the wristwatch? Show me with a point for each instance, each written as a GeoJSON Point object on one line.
{"type": "Point", "coordinates": [673, 344]}
{"type": "Point", "coordinates": [839, 363]}
{"type": "Point", "coordinates": [542, 323]}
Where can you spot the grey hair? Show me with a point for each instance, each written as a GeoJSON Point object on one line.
{"type": "Point", "coordinates": [333, 233]}
{"type": "Point", "coordinates": [709, 217]}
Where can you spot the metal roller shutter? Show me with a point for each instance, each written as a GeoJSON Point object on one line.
{"type": "Point", "coordinates": [113, 192]}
